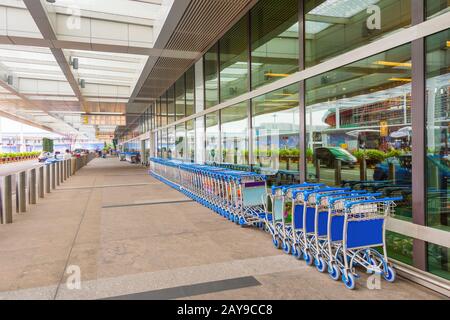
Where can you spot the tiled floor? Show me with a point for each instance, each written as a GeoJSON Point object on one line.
{"type": "Point", "coordinates": [103, 221]}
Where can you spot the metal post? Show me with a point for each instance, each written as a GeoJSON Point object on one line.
{"type": "Point", "coordinates": [363, 169]}
{"type": "Point", "coordinates": [392, 172]}
{"type": "Point", "coordinates": [47, 179]}
{"type": "Point", "coordinates": [61, 171]}
{"type": "Point", "coordinates": [32, 187]}
{"type": "Point", "coordinates": [58, 173]}
{"type": "Point", "coordinates": [41, 183]}
{"type": "Point", "coordinates": [6, 200]}
{"type": "Point", "coordinates": [53, 166]}
{"type": "Point", "coordinates": [317, 165]}
{"type": "Point", "coordinates": [22, 192]}
{"type": "Point", "coordinates": [337, 172]}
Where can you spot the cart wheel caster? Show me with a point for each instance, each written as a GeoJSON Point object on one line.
{"type": "Point", "coordinates": [276, 242]}
{"type": "Point", "coordinates": [320, 265]}
{"type": "Point", "coordinates": [286, 247]}
{"type": "Point", "coordinates": [334, 272]}
{"type": "Point", "coordinates": [390, 275]}
{"type": "Point", "coordinates": [307, 257]}
{"type": "Point", "coordinates": [349, 281]}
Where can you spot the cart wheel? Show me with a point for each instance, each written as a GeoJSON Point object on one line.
{"type": "Point", "coordinates": [297, 253]}
{"type": "Point", "coordinates": [242, 221]}
{"type": "Point", "coordinates": [349, 281]}
{"type": "Point", "coordinates": [286, 247]}
{"type": "Point", "coordinates": [231, 217]}
{"type": "Point", "coordinates": [320, 265]}
{"type": "Point", "coordinates": [390, 275]}
{"type": "Point", "coordinates": [334, 272]}
{"type": "Point", "coordinates": [276, 242]}
{"type": "Point", "coordinates": [307, 257]}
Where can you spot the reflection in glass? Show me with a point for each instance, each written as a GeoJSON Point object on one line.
{"type": "Point", "coordinates": [358, 120]}
{"type": "Point", "coordinates": [171, 143]}
{"type": "Point", "coordinates": [211, 77]}
{"type": "Point", "coordinates": [334, 27]}
{"type": "Point", "coordinates": [190, 91]}
{"type": "Point", "coordinates": [164, 120]}
{"type": "Point", "coordinates": [190, 142]}
{"type": "Point", "coordinates": [438, 145]}
{"type": "Point", "coordinates": [164, 144]}
{"type": "Point", "coordinates": [234, 125]}
{"type": "Point", "coordinates": [275, 45]}
{"type": "Point", "coordinates": [180, 141]}
{"type": "Point", "coordinates": [276, 135]}
{"type": "Point", "coordinates": [212, 137]}
{"type": "Point", "coordinates": [437, 7]}
{"type": "Point", "coordinates": [180, 98]}
{"type": "Point", "coordinates": [234, 61]}
{"type": "Point", "coordinates": [171, 104]}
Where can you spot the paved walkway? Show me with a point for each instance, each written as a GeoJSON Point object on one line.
{"type": "Point", "coordinates": [133, 237]}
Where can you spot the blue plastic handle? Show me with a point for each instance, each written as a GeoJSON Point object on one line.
{"type": "Point", "coordinates": [348, 204]}
{"type": "Point", "coordinates": [367, 195]}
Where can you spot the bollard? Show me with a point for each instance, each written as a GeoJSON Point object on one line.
{"type": "Point", "coordinates": [61, 172]}
{"type": "Point", "coordinates": [6, 202]}
{"type": "Point", "coordinates": [363, 169]}
{"type": "Point", "coordinates": [392, 172]}
{"type": "Point", "coordinates": [58, 173]}
{"type": "Point", "coordinates": [53, 166]}
{"type": "Point", "coordinates": [22, 195]}
{"type": "Point", "coordinates": [32, 187]}
{"type": "Point", "coordinates": [317, 165]}
{"type": "Point", "coordinates": [47, 178]}
{"type": "Point", "coordinates": [337, 172]}
{"type": "Point", "coordinates": [41, 182]}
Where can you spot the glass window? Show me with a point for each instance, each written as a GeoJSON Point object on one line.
{"type": "Point", "coordinates": [276, 134]}
{"type": "Point", "coordinates": [180, 141]}
{"type": "Point", "coordinates": [164, 118]}
{"type": "Point", "coordinates": [158, 112]}
{"type": "Point", "coordinates": [234, 61]}
{"type": "Point", "coordinates": [334, 27]}
{"type": "Point", "coordinates": [438, 262]}
{"type": "Point", "coordinates": [275, 45]}
{"type": "Point", "coordinates": [190, 143]}
{"type": "Point", "coordinates": [164, 144]}
{"type": "Point", "coordinates": [180, 101]}
{"type": "Point", "coordinates": [211, 77]}
{"type": "Point", "coordinates": [399, 247]}
{"type": "Point", "coordinates": [171, 143]}
{"type": "Point", "coordinates": [437, 7]}
{"type": "Point", "coordinates": [171, 105]}
{"type": "Point", "coordinates": [358, 120]}
{"type": "Point", "coordinates": [190, 91]}
{"type": "Point", "coordinates": [438, 124]}
{"type": "Point", "coordinates": [234, 131]}
{"type": "Point", "coordinates": [212, 137]}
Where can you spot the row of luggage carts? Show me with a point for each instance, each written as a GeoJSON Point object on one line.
{"type": "Point", "coordinates": [338, 230]}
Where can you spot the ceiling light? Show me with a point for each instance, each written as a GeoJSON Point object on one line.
{"type": "Point", "coordinates": [106, 113]}
{"type": "Point", "coordinates": [401, 79]}
{"type": "Point", "coordinates": [276, 75]}
{"type": "Point", "coordinates": [394, 64]}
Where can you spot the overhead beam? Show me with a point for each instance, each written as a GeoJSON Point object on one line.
{"type": "Point", "coordinates": [40, 17]}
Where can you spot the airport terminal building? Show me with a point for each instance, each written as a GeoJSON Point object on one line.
{"type": "Point", "coordinates": [338, 92]}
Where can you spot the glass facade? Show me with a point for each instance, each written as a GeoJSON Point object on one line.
{"type": "Point", "coordinates": [233, 59]}
{"type": "Point", "coordinates": [210, 69]}
{"type": "Point", "coordinates": [438, 142]}
{"type": "Point", "coordinates": [190, 91]}
{"type": "Point", "coordinates": [276, 149]}
{"type": "Point", "coordinates": [190, 140]}
{"type": "Point", "coordinates": [234, 130]}
{"type": "Point", "coordinates": [212, 137]}
{"type": "Point", "coordinates": [358, 129]}
{"type": "Point", "coordinates": [274, 36]}
{"type": "Point", "coordinates": [358, 122]}
{"type": "Point", "coordinates": [180, 99]}
{"type": "Point", "coordinates": [437, 7]}
{"type": "Point", "coordinates": [334, 27]}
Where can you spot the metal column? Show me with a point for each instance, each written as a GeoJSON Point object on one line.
{"type": "Point", "coordinates": [22, 195]}
{"type": "Point", "coordinates": [47, 179]}
{"type": "Point", "coordinates": [58, 173]}
{"type": "Point", "coordinates": [6, 202]}
{"type": "Point", "coordinates": [41, 182]}
{"type": "Point", "coordinates": [53, 168]}
{"type": "Point", "coordinates": [32, 187]}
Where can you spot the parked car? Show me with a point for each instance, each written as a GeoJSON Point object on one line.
{"type": "Point", "coordinates": [403, 172]}
{"type": "Point", "coordinates": [44, 156]}
{"type": "Point", "coordinates": [328, 156]}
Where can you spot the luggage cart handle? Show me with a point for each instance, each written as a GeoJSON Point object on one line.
{"type": "Point", "coordinates": [374, 195]}
{"type": "Point", "coordinates": [349, 204]}
{"type": "Point", "coordinates": [344, 193]}
{"type": "Point", "coordinates": [302, 185]}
